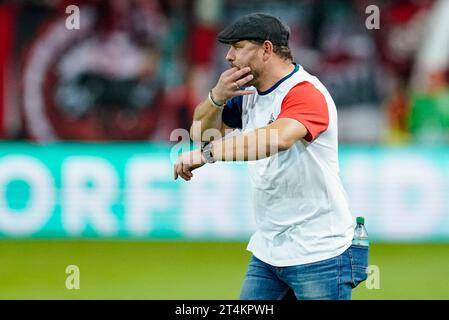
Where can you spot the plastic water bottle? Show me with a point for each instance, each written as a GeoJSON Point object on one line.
{"type": "Point", "coordinates": [360, 233]}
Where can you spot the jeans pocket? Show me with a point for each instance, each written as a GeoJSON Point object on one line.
{"type": "Point", "coordinates": [359, 263]}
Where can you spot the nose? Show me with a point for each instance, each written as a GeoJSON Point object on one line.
{"type": "Point", "coordinates": [230, 56]}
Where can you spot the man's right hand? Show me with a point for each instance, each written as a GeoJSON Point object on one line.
{"type": "Point", "coordinates": [229, 84]}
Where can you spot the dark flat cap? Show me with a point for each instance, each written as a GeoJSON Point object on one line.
{"type": "Point", "coordinates": [257, 27]}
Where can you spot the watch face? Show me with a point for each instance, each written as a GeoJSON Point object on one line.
{"type": "Point", "coordinates": [207, 152]}
{"type": "Point", "coordinates": [207, 156]}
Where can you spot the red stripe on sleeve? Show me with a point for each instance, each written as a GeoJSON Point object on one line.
{"type": "Point", "coordinates": [306, 104]}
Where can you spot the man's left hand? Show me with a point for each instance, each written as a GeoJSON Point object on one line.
{"type": "Point", "coordinates": [186, 163]}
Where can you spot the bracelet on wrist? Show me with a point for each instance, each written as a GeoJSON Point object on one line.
{"type": "Point", "coordinates": [214, 103]}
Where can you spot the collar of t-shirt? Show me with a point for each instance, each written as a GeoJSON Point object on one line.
{"type": "Point", "coordinates": [263, 93]}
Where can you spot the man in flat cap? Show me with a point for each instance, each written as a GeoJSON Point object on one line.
{"type": "Point", "coordinates": [287, 124]}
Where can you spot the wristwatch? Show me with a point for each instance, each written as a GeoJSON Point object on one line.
{"type": "Point", "coordinates": [206, 151]}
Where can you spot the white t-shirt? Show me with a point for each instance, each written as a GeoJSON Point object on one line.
{"type": "Point", "coordinates": [301, 208]}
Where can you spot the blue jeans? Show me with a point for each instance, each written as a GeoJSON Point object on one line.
{"type": "Point", "coordinates": [330, 279]}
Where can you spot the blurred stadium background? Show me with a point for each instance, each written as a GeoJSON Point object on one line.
{"type": "Point", "coordinates": [86, 122]}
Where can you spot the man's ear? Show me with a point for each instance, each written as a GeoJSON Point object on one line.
{"type": "Point", "coordinates": [267, 49]}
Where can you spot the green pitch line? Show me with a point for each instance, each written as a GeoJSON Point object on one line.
{"type": "Point", "coordinates": [190, 270]}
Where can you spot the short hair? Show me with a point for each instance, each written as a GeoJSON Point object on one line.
{"type": "Point", "coordinates": [284, 52]}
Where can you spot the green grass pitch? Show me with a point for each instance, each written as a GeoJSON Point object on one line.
{"type": "Point", "coordinates": [35, 269]}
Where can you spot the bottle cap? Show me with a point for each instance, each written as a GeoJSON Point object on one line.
{"type": "Point", "coordinates": [360, 220]}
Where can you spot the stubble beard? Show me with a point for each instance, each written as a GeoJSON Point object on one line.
{"type": "Point", "coordinates": [254, 72]}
